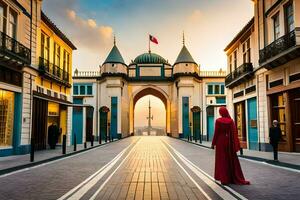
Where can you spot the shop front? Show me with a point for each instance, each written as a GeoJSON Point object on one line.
{"type": "Point", "coordinates": [47, 112]}
{"type": "Point", "coordinates": [10, 122]}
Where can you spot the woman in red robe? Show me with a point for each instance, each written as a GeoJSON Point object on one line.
{"type": "Point", "coordinates": [227, 166]}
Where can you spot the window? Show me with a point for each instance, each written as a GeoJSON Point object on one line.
{"type": "Point", "coordinates": [276, 25]}
{"type": "Point", "coordinates": [82, 90]}
{"type": "Point", "coordinates": [210, 89]}
{"type": "Point", "coordinates": [230, 63]}
{"type": "Point", "coordinates": [6, 117]}
{"type": "Point", "coordinates": [246, 52]}
{"type": "Point", "coordinates": [12, 29]}
{"type": "Point", "coordinates": [2, 18]}
{"type": "Point", "coordinates": [56, 55]}
{"type": "Point", "coordinates": [222, 89]}
{"type": "Point", "coordinates": [66, 61]}
{"type": "Point", "coordinates": [217, 89]}
{"type": "Point", "coordinates": [289, 17]}
{"type": "Point", "coordinates": [278, 110]}
{"type": "Point", "coordinates": [235, 59]}
{"type": "Point", "coordinates": [75, 91]}
{"type": "Point", "coordinates": [220, 100]}
{"type": "Point", "coordinates": [89, 90]}
{"type": "Point", "coordinates": [45, 46]}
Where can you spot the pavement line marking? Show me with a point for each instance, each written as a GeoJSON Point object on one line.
{"type": "Point", "coordinates": [271, 165]}
{"type": "Point", "coordinates": [108, 178]}
{"type": "Point", "coordinates": [83, 185]}
{"type": "Point", "coordinates": [255, 161]}
{"type": "Point", "coordinates": [210, 181]}
{"type": "Point", "coordinates": [48, 163]}
{"type": "Point", "coordinates": [198, 186]}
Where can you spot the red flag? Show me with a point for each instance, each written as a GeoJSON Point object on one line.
{"type": "Point", "coordinates": [153, 39]}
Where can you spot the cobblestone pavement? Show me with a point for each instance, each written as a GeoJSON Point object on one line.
{"type": "Point", "coordinates": [145, 168]}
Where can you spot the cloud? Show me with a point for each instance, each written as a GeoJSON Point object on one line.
{"type": "Point", "coordinates": [87, 33]}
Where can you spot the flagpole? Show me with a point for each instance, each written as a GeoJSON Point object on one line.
{"type": "Point", "coordinates": [149, 43]}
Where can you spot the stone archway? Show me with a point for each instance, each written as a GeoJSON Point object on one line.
{"type": "Point", "coordinates": [155, 91]}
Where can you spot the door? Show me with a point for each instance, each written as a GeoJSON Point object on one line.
{"type": "Point", "coordinates": [103, 125]}
{"type": "Point", "coordinates": [240, 120]}
{"type": "Point", "coordinates": [252, 124]}
{"type": "Point", "coordinates": [39, 123]}
{"type": "Point", "coordinates": [196, 125]}
{"type": "Point", "coordinates": [210, 123]}
{"type": "Point", "coordinates": [77, 122]}
{"type": "Point", "coordinates": [114, 117]}
{"type": "Point", "coordinates": [89, 123]}
{"type": "Point", "coordinates": [295, 111]}
{"type": "Point", "coordinates": [185, 117]}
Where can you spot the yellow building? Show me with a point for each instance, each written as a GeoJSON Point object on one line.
{"type": "Point", "coordinates": [52, 88]}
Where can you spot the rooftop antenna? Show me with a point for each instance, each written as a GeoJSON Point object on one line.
{"type": "Point", "coordinates": [114, 40]}
{"type": "Point", "coordinates": [183, 39]}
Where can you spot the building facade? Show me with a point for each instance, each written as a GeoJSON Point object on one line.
{"type": "Point", "coordinates": [52, 87]}
{"type": "Point", "coordinates": [113, 91]}
{"type": "Point", "coordinates": [263, 80]}
{"type": "Point", "coordinates": [18, 29]}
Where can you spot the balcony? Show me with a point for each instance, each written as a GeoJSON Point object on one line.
{"type": "Point", "coordinates": [13, 51]}
{"type": "Point", "coordinates": [281, 51]}
{"type": "Point", "coordinates": [239, 75]}
{"type": "Point", "coordinates": [54, 72]}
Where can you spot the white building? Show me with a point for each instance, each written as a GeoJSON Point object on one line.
{"type": "Point", "coordinates": [113, 92]}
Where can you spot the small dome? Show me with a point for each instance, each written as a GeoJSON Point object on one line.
{"type": "Point", "coordinates": [150, 58]}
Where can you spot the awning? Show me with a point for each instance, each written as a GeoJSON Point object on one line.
{"type": "Point", "coordinates": [57, 100]}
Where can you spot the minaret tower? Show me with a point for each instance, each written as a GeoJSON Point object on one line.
{"type": "Point", "coordinates": [149, 118]}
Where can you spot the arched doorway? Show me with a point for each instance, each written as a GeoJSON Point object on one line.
{"type": "Point", "coordinates": [156, 92]}
{"type": "Point", "coordinates": [149, 116]}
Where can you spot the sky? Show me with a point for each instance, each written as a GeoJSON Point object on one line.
{"type": "Point", "coordinates": [208, 25]}
{"type": "Point", "coordinates": [158, 112]}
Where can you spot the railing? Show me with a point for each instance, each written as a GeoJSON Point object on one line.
{"type": "Point", "coordinates": [219, 73]}
{"type": "Point", "coordinates": [244, 69]}
{"type": "Point", "coordinates": [86, 73]}
{"type": "Point", "coordinates": [278, 46]}
{"type": "Point", "coordinates": [14, 49]}
{"type": "Point", "coordinates": [53, 70]}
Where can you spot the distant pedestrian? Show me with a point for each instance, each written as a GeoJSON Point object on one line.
{"type": "Point", "coordinates": [275, 137]}
{"type": "Point", "coordinates": [53, 133]}
{"type": "Point", "coordinates": [227, 165]}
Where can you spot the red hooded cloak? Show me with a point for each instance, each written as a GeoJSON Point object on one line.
{"type": "Point", "coordinates": [227, 166]}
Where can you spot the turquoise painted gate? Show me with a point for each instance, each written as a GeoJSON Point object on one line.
{"type": "Point", "coordinates": [210, 127]}
{"type": "Point", "coordinates": [114, 118]}
{"type": "Point", "coordinates": [210, 122]}
{"type": "Point", "coordinates": [252, 124]}
{"type": "Point", "coordinates": [77, 122]}
{"type": "Point", "coordinates": [185, 117]}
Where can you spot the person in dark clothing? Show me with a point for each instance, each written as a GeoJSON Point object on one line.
{"type": "Point", "coordinates": [275, 137]}
{"type": "Point", "coordinates": [53, 133]}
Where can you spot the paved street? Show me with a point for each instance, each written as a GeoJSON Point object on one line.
{"type": "Point", "coordinates": [145, 168]}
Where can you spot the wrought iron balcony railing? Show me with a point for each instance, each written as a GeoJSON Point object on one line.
{"type": "Point", "coordinates": [53, 71]}
{"type": "Point", "coordinates": [13, 49]}
{"type": "Point", "coordinates": [277, 47]}
{"type": "Point", "coordinates": [239, 74]}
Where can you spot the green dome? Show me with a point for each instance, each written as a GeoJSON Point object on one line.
{"type": "Point", "coordinates": [150, 58]}
{"type": "Point", "coordinates": [184, 56]}
{"type": "Point", "coordinates": [114, 56]}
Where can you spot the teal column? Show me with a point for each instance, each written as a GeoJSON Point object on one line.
{"type": "Point", "coordinates": [114, 118]}
{"type": "Point", "coordinates": [17, 124]}
{"type": "Point", "coordinates": [185, 117]}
